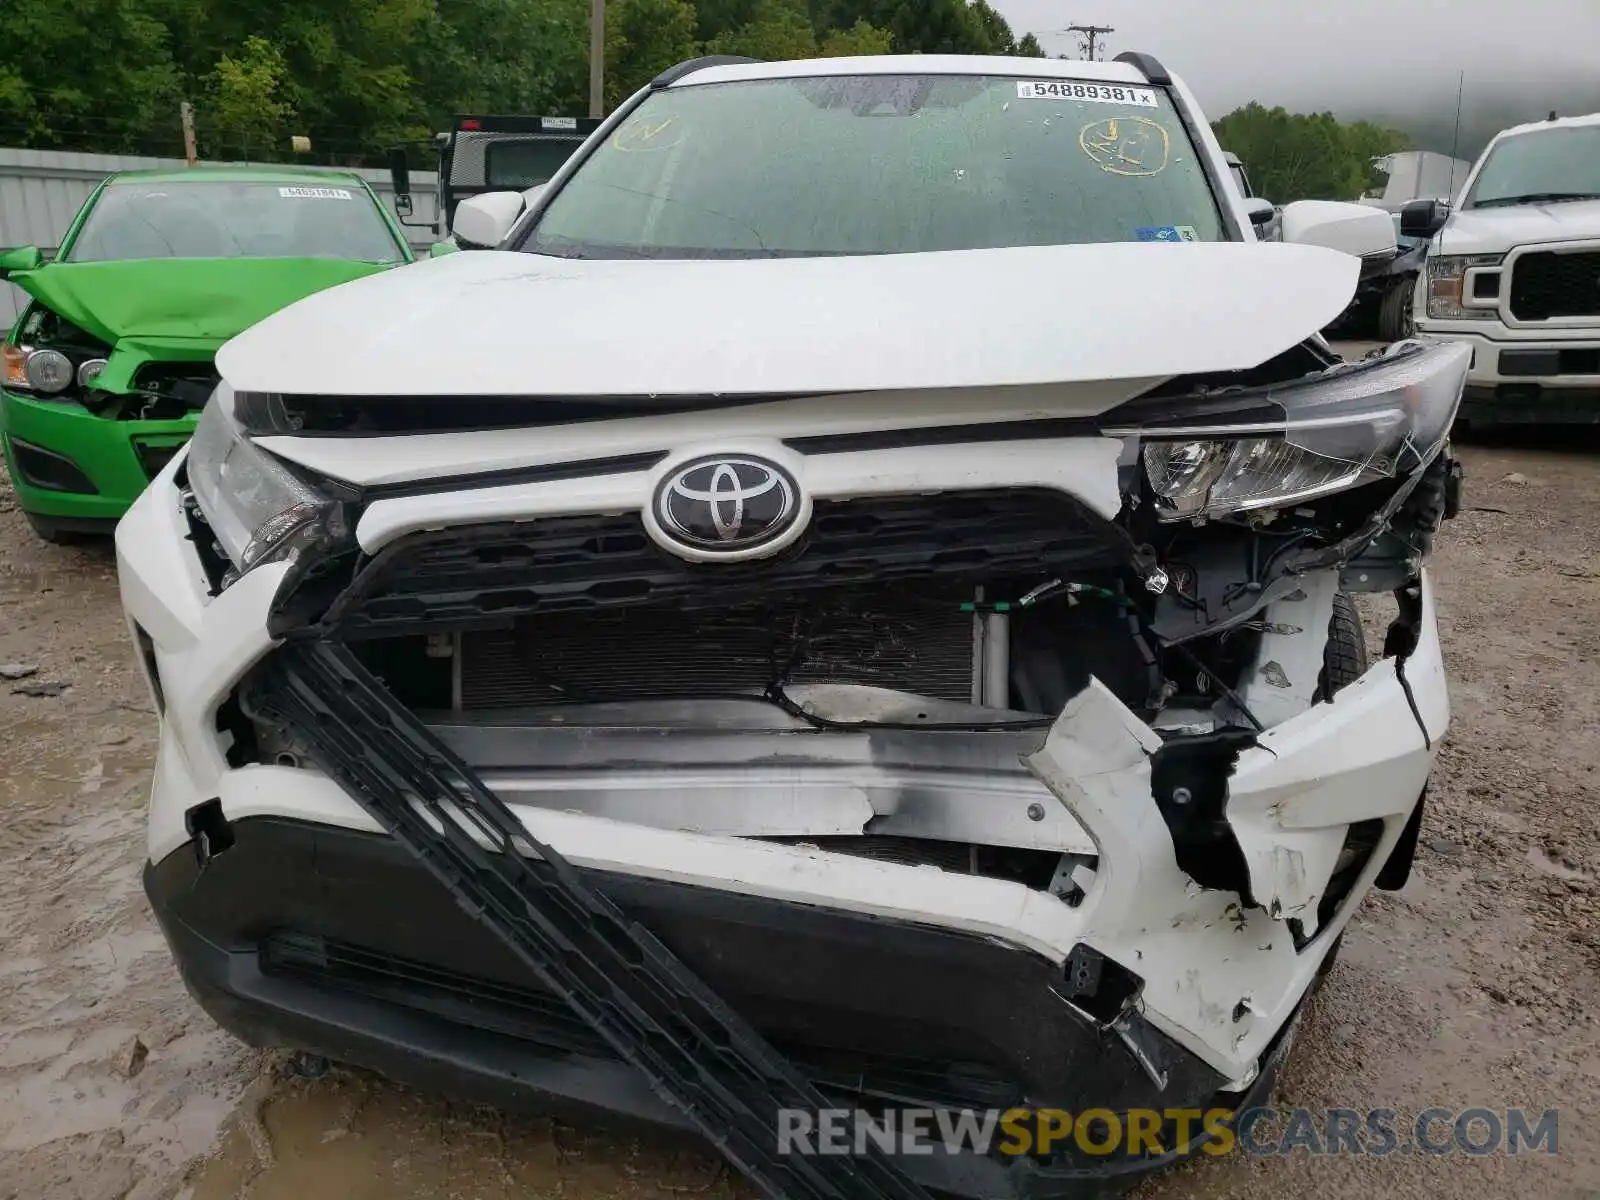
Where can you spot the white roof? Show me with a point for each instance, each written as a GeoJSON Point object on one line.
{"type": "Point", "coordinates": [1006, 66]}
{"type": "Point", "coordinates": [1579, 122]}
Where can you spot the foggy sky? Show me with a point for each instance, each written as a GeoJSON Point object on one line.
{"type": "Point", "coordinates": [1355, 57]}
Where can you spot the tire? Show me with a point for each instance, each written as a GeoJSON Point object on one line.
{"type": "Point", "coordinates": [1344, 659]}
{"type": "Point", "coordinates": [1396, 320]}
{"type": "Point", "coordinates": [47, 530]}
{"type": "Point", "coordinates": [1326, 965]}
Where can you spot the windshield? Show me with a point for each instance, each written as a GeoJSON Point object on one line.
{"type": "Point", "coordinates": [883, 164]}
{"type": "Point", "coordinates": [516, 165]}
{"type": "Point", "coordinates": [233, 220]}
{"type": "Point", "coordinates": [1551, 164]}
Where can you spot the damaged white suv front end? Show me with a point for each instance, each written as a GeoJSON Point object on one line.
{"type": "Point", "coordinates": [934, 670]}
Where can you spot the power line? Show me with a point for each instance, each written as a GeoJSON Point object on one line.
{"type": "Point", "coordinates": [1090, 35]}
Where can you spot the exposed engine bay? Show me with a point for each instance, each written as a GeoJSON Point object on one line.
{"type": "Point", "coordinates": [948, 630]}
{"type": "Point", "coordinates": [1086, 690]}
{"type": "Point", "coordinates": [160, 391]}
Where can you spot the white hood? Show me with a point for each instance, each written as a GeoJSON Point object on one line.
{"type": "Point", "coordinates": [1496, 230]}
{"type": "Point", "coordinates": [504, 323]}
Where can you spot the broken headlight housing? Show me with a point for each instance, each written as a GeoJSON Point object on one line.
{"type": "Point", "coordinates": [258, 508]}
{"type": "Point", "coordinates": [1272, 447]}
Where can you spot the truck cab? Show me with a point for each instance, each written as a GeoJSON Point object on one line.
{"type": "Point", "coordinates": [1513, 270]}
{"type": "Point", "coordinates": [481, 154]}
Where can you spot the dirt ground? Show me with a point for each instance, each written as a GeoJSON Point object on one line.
{"type": "Point", "coordinates": [1477, 985]}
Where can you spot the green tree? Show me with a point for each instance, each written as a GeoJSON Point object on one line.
{"type": "Point", "coordinates": [860, 38]}
{"type": "Point", "coordinates": [644, 38]}
{"type": "Point", "coordinates": [779, 31]}
{"type": "Point", "coordinates": [248, 114]}
{"type": "Point", "coordinates": [1297, 156]}
{"type": "Point", "coordinates": [88, 75]}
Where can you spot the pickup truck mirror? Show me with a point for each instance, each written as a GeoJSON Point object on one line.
{"type": "Point", "coordinates": [1423, 218]}
{"type": "Point", "coordinates": [400, 180]}
{"type": "Point", "coordinates": [484, 220]}
{"type": "Point", "coordinates": [23, 258]}
{"type": "Point", "coordinates": [1259, 211]}
{"type": "Point", "coordinates": [1355, 229]}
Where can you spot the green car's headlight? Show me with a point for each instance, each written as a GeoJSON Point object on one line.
{"type": "Point", "coordinates": [258, 508]}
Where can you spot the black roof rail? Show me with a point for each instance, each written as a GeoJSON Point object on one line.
{"type": "Point", "coordinates": [1148, 64]}
{"type": "Point", "coordinates": [672, 74]}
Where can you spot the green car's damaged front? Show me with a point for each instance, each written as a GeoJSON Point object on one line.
{"type": "Point", "coordinates": [106, 370]}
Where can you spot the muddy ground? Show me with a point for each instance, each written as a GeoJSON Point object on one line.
{"type": "Point", "coordinates": [1477, 985]}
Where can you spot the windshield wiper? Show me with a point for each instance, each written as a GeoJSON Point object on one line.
{"type": "Point", "coordinates": [1535, 198]}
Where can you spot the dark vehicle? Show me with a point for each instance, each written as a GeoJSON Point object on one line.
{"type": "Point", "coordinates": [1384, 305]}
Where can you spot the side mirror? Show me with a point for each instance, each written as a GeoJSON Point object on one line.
{"type": "Point", "coordinates": [1260, 211]}
{"type": "Point", "coordinates": [400, 180]}
{"type": "Point", "coordinates": [1355, 229]}
{"type": "Point", "coordinates": [440, 249]}
{"type": "Point", "coordinates": [1423, 218]}
{"type": "Point", "coordinates": [531, 196]}
{"type": "Point", "coordinates": [23, 258]}
{"type": "Point", "coordinates": [485, 219]}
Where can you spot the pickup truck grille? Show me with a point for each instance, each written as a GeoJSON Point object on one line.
{"type": "Point", "coordinates": [1547, 285]}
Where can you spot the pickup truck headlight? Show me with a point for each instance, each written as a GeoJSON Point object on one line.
{"type": "Point", "coordinates": [258, 508]}
{"type": "Point", "coordinates": [1447, 275]}
{"type": "Point", "coordinates": [1268, 448]}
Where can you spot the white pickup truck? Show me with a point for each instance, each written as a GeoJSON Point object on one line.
{"type": "Point", "coordinates": [1514, 272]}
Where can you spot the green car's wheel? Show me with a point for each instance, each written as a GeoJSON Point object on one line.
{"type": "Point", "coordinates": [49, 529]}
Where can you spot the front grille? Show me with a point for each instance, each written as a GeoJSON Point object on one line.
{"type": "Point", "coordinates": [901, 638]}
{"type": "Point", "coordinates": [535, 1016]}
{"type": "Point", "coordinates": [189, 384]}
{"type": "Point", "coordinates": [154, 456]}
{"type": "Point", "coordinates": [1548, 285]}
{"type": "Point", "coordinates": [482, 576]}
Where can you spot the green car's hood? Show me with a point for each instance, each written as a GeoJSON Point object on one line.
{"type": "Point", "coordinates": [199, 299]}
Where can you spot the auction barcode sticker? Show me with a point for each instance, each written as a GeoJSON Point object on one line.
{"type": "Point", "coordinates": [314, 193]}
{"type": "Point", "coordinates": [1097, 93]}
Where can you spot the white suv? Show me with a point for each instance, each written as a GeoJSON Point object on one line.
{"type": "Point", "coordinates": [1514, 273]}
{"type": "Point", "coordinates": [846, 607]}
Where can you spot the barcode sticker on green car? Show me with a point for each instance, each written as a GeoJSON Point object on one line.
{"type": "Point", "coordinates": [315, 193]}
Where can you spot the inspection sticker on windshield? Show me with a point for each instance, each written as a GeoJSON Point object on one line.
{"type": "Point", "coordinates": [314, 193]}
{"type": "Point", "coordinates": [1097, 93]}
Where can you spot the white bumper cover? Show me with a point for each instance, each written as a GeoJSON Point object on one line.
{"type": "Point", "coordinates": [1220, 979]}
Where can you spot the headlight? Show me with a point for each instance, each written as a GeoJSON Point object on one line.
{"type": "Point", "coordinates": [1286, 444]}
{"type": "Point", "coordinates": [1449, 293]}
{"type": "Point", "coordinates": [259, 509]}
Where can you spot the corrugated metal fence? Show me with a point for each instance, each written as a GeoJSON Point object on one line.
{"type": "Point", "coordinates": [41, 191]}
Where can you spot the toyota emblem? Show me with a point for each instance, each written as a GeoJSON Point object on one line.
{"type": "Point", "coordinates": [724, 506]}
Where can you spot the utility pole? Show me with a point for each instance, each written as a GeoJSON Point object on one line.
{"type": "Point", "coordinates": [186, 115]}
{"type": "Point", "coordinates": [597, 58]}
{"type": "Point", "coordinates": [1090, 34]}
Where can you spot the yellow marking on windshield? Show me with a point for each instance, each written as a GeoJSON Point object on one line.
{"type": "Point", "coordinates": [645, 136]}
{"type": "Point", "coordinates": [1131, 146]}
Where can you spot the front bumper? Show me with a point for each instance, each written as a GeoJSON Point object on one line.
{"type": "Point", "coordinates": [1522, 378]}
{"type": "Point", "coordinates": [339, 943]}
{"type": "Point", "coordinates": [66, 462]}
{"type": "Point", "coordinates": [1218, 982]}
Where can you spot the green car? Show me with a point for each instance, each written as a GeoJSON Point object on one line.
{"type": "Point", "coordinates": [106, 370]}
